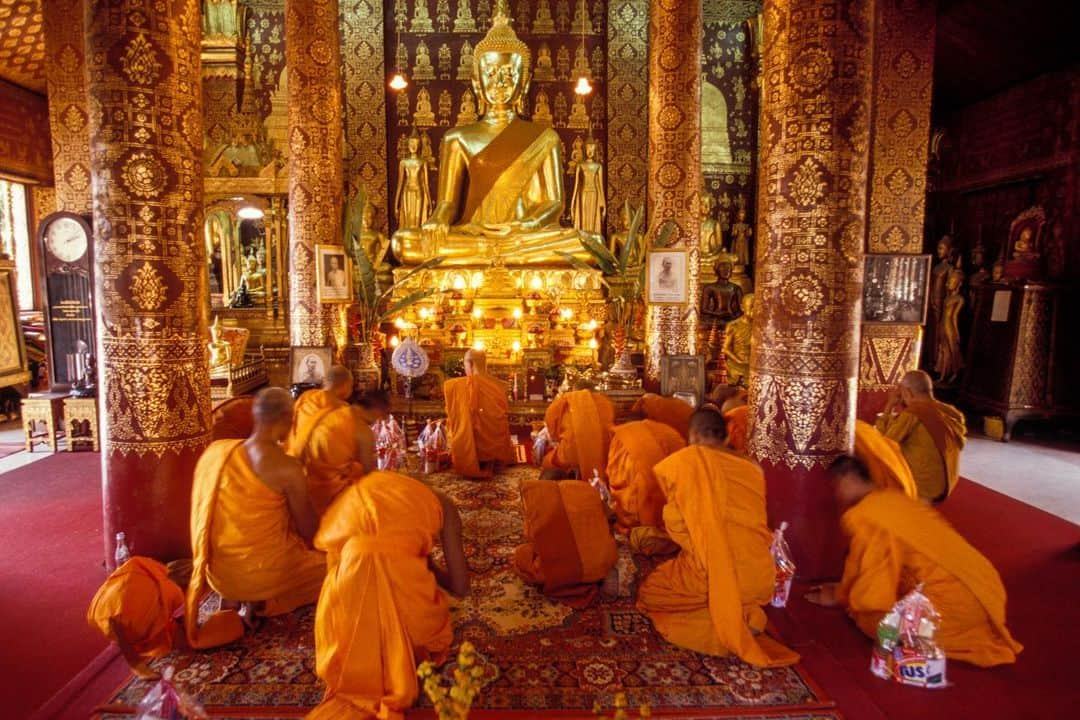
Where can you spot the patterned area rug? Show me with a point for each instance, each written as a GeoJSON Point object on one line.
{"type": "Point", "coordinates": [537, 654]}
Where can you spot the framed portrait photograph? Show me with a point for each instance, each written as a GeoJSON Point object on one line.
{"type": "Point", "coordinates": [309, 365]}
{"type": "Point", "coordinates": [895, 288]}
{"type": "Point", "coordinates": [665, 278]}
{"type": "Point", "coordinates": [333, 271]}
{"type": "Point", "coordinates": [683, 377]}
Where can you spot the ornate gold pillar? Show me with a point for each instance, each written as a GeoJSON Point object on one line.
{"type": "Point", "coordinates": [815, 118]}
{"type": "Point", "coordinates": [364, 74]}
{"type": "Point", "coordinates": [899, 150]}
{"type": "Point", "coordinates": [65, 74]}
{"type": "Point", "coordinates": [150, 263]}
{"type": "Point", "coordinates": [313, 61]}
{"type": "Point", "coordinates": [627, 106]}
{"type": "Point", "coordinates": [674, 164]}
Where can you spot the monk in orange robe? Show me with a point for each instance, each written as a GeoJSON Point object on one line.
{"type": "Point", "coordinates": [381, 610]}
{"type": "Point", "coordinates": [569, 549]}
{"type": "Point", "coordinates": [330, 439]}
{"type": "Point", "coordinates": [232, 418]}
{"type": "Point", "coordinates": [931, 434]}
{"type": "Point", "coordinates": [898, 543]}
{"type": "Point", "coordinates": [668, 410]}
{"type": "Point", "coordinates": [580, 424]}
{"type": "Point", "coordinates": [709, 597]}
{"type": "Point", "coordinates": [636, 447]}
{"type": "Point", "coordinates": [736, 413]}
{"type": "Point", "coordinates": [887, 465]}
{"type": "Point", "coordinates": [251, 525]}
{"type": "Point", "coordinates": [135, 608]}
{"type": "Point", "coordinates": [477, 410]}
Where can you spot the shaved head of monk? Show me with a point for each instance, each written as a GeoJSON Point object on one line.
{"type": "Point", "coordinates": [339, 382]}
{"type": "Point", "coordinates": [916, 385]}
{"type": "Point", "coordinates": [708, 428]}
{"type": "Point", "coordinates": [272, 411]}
{"type": "Point", "coordinates": [475, 362]}
{"type": "Point", "coordinates": [376, 403]}
{"type": "Point", "coordinates": [851, 480]}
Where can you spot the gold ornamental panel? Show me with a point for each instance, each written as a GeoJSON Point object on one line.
{"type": "Point", "coordinates": [68, 120]}
{"type": "Point", "coordinates": [22, 43]}
{"type": "Point", "coordinates": [627, 105]}
{"type": "Point", "coordinates": [886, 352]}
{"type": "Point", "coordinates": [815, 115]}
{"type": "Point", "coordinates": [145, 122]}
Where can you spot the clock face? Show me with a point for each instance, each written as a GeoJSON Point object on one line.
{"type": "Point", "coordinates": [66, 239]}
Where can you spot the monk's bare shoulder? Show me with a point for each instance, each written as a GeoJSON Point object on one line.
{"type": "Point", "coordinates": [280, 470]}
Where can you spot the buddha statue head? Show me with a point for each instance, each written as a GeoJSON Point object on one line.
{"type": "Point", "coordinates": [215, 330]}
{"type": "Point", "coordinates": [748, 305]}
{"type": "Point", "coordinates": [708, 204]}
{"type": "Point", "coordinates": [501, 65]}
{"type": "Point", "coordinates": [413, 142]}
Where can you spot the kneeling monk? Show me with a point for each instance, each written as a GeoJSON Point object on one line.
{"type": "Point", "coordinates": [134, 609]}
{"type": "Point", "coordinates": [329, 439]}
{"type": "Point", "coordinates": [477, 409]}
{"type": "Point", "coordinates": [709, 597]}
{"type": "Point", "coordinates": [570, 550]}
{"type": "Point", "coordinates": [381, 611]}
{"type": "Point", "coordinates": [580, 424]}
{"type": "Point", "coordinates": [636, 447]}
{"type": "Point", "coordinates": [668, 410]}
{"type": "Point", "coordinates": [736, 413]}
{"type": "Point", "coordinates": [251, 523]}
{"type": "Point", "coordinates": [884, 459]}
{"type": "Point", "coordinates": [896, 544]}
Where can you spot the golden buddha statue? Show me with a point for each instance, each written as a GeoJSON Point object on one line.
{"type": "Point", "coordinates": [255, 275]}
{"type": "Point", "coordinates": [737, 343]}
{"type": "Point", "coordinates": [949, 361]}
{"type": "Point", "coordinates": [220, 350]}
{"type": "Point", "coordinates": [579, 115]}
{"type": "Point", "coordinates": [542, 112]}
{"type": "Point", "coordinates": [544, 24]}
{"type": "Point", "coordinates": [467, 111]}
{"type": "Point", "coordinates": [588, 205]}
{"type": "Point", "coordinates": [740, 234]}
{"type": "Point", "coordinates": [712, 238]}
{"type": "Point", "coordinates": [464, 68]}
{"type": "Point", "coordinates": [446, 59]}
{"type": "Point", "coordinates": [620, 236]}
{"type": "Point", "coordinates": [545, 70]}
{"type": "Point", "coordinates": [423, 69]}
{"type": "Point", "coordinates": [412, 200]}
{"type": "Point", "coordinates": [424, 116]}
{"type": "Point", "coordinates": [374, 243]}
{"type": "Point", "coordinates": [463, 21]}
{"type": "Point", "coordinates": [421, 20]}
{"type": "Point", "coordinates": [500, 190]}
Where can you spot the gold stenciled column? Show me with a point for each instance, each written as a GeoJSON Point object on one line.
{"type": "Point", "coordinates": [815, 115]}
{"type": "Point", "coordinates": [150, 262]}
{"type": "Point", "coordinates": [313, 61]}
{"type": "Point", "coordinates": [627, 106]}
{"type": "Point", "coordinates": [674, 164]}
{"type": "Point", "coordinates": [68, 122]}
{"type": "Point", "coordinates": [899, 149]}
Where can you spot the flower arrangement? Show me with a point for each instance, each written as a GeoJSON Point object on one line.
{"type": "Point", "coordinates": [455, 703]}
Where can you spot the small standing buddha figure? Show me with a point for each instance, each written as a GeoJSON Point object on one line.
{"type": "Point", "coordinates": [412, 200]}
{"type": "Point", "coordinates": [712, 238]}
{"type": "Point", "coordinates": [949, 361]}
{"type": "Point", "coordinates": [446, 107]}
{"type": "Point", "coordinates": [737, 343]}
{"type": "Point", "coordinates": [446, 59]}
{"type": "Point", "coordinates": [421, 20]}
{"type": "Point", "coordinates": [424, 116]}
{"type": "Point", "coordinates": [740, 234]}
{"type": "Point", "coordinates": [545, 70]}
{"type": "Point", "coordinates": [423, 70]}
{"type": "Point", "coordinates": [980, 274]}
{"type": "Point", "coordinates": [220, 350]}
{"type": "Point", "coordinates": [588, 204]}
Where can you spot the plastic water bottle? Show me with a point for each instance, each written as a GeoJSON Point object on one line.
{"type": "Point", "coordinates": [122, 553]}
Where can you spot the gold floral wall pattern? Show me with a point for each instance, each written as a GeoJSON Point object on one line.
{"type": "Point", "coordinates": [68, 121]}
{"type": "Point", "coordinates": [364, 76]}
{"type": "Point", "coordinates": [627, 105]}
{"type": "Point", "coordinates": [22, 44]}
{"type": "Point", "coordinates": [313, 61]}
{"type": "Point", "coordinates": [145, 122]}
{"type": "Point", "coordinates": [674, 163]}
{"type": "Point", "coordinates": [24, 148]}
{"type": "Point", "coordinates": [816, 99]}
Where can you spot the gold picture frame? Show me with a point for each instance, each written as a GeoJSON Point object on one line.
{"type": "Point", "coordinates": [333, 274]}
{"type": "Point", "coordinates": [667, 277]}
{"type": "Point", "coordinates": [308, 365]}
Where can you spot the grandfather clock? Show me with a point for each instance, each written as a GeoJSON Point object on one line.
{"type": "Point", "coordinates": [65, 244]}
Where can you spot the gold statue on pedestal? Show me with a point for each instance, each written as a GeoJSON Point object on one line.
{"type": "Point", "coordinates": [421, 21]}
{"type": "Point", "coordinates": [412, 201]}
{"type": "Point", "coordinates": [949, 361]}
{"type": "Point", "coordinates": [545, 70]}
{"type": "Point", "coordinates": [423, 69]}
{"type": "Point", "coordinates": [589, 204]}
{"type": "Point", "coordinates": [220, 350]}
{"type": "Point", "coordinates": [737, 343]}
{"type": "Point", "coordinates": [500, 190]}
{"type": "Point", "coordinates": [712, 239]}
{"type": "Point", "coordinates": [467, 110]}
{"type": "Point", "coordinates": [424, 115]}
{"type": "Point", "coordinates": [463, 21]}
{"type": "Point", "coordinates": [464, 68]}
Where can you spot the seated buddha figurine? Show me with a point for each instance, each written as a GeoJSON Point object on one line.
{"type": "Point", "coordinates": [220, 349]}
{"type": "Point", "coordinates": [500, 191]}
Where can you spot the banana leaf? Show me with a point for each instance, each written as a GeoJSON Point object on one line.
{"type": "Point", "coordinates": [404, 303]}
{"type": "Point", "coordinates": [580, 264]}
{"type": "Point", "coordinates": [426, 265]}
{"type": "Point", "coordinates": [630, 247]}
{"type": "Point", "coordinates": [663, 236]}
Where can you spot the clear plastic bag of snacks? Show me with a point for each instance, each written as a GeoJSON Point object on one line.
{"type": "Point", "coordinates": [906, 650]}
{"type": "Point", "coordinates": [785, 567]}
{"type": "Point", "coordinates": [541, 444]}
{"type": "Point", "coordinates": [165, 701]}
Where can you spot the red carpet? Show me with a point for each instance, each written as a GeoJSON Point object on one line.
{"type": "Point", "coordinates": [1038, 556]}
{"type": "Point", "coordinates": [50, 532]}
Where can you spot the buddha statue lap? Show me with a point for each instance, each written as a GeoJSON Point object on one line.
{"type": "Point", "coordinates": [500, 189]}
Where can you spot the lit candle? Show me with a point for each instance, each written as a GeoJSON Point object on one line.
{"type": "Point", "coordinates": [394, 342]}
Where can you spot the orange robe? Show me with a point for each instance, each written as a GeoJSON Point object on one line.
{"type": "Point", "coordinates": [884, 459]}
{"type": "Point", "coordinates": [232, 418]}
{"type": "Point", "coordinates": [736, 428]}
{"type": "Point", "coordinates": [581, 423]}
{"type": "Point", "coordinates": [141, 599]}
{"type": "Point", "coordinates": [477, 409]}
{"type": "Point", "coordinates": [323, 439]}
{"type": "Point", "coordinates": [897, 543]}
{"type": "Point", "coordinates": [671, 411]}
{"type": "Point", "coordinates": [380, 611]}
{"type": "Point", "coordinates": [636, 447]}
{"type": "Point", "coordinates": [931, 435]}
{"type": "Point", "coordinates": [570, 548]}
{"type": "Point", "coordinates": [709, 597]}
{"type": "Point", "coordinates": [243, 546]}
